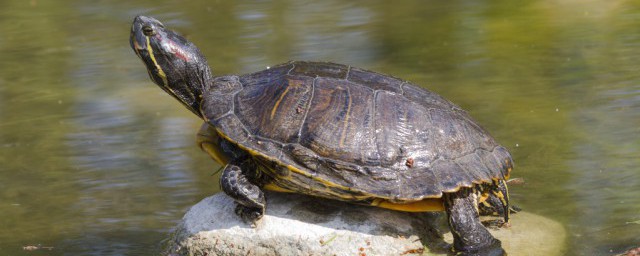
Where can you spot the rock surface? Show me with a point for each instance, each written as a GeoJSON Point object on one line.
{"type": "Point", "coordinates": [302, 225]}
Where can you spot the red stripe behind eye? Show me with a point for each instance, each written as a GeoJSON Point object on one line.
{"type": "Point", "coordinates": [179, 52]}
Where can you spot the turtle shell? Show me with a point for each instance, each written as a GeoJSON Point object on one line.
{"type": "Point", "coordinates": [346, 133]}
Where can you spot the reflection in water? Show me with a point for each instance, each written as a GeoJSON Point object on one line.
{"type": "Point", "coordinates": [123, 186]}
{"type": "Point", "coordinates": [605, 186]}
{"type": "Point", "coordinates": [94, 159]}
{"type": "Point", "coordinates": [607, 181]}
{"type": "Point", "coordinates": [318, 30]}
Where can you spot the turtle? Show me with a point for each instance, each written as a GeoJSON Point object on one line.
{"type": "Point", "coordinates": [337, 132]}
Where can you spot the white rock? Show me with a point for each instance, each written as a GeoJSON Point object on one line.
{"type": "Point", "coordinates": [302, 225]}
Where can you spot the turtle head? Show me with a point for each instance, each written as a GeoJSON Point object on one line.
{"type": "Point", "coordinates": [173, 63]}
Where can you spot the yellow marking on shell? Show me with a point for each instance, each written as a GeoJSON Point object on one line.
{"type": "Point", "coordinates": [161, 73]}
{"type": "Point", "coordinates": [506, 162]}
{"type": "Point", "coordinates": [298, 171]}
{"type": "Point", "coordinates": [425, 205]}
{"type": "Point", "coordinates": [346, 120]}
{"type": "Point", "coordinates": [209, 143]}
{"type": "Point", "coordinates": [275, 187]}
{"type": "Point", "coordinates": [214, 152]}
{"type": "Point", "coordinates": [275, 107]}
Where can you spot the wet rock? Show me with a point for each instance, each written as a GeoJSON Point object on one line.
{"type": "Point", "coordinates": [302, 225]}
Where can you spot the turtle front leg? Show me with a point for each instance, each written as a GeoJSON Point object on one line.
{"type": "Point", "coordinates": [248, 196]}
{"type": "Point", "coordinates": [470, 237]}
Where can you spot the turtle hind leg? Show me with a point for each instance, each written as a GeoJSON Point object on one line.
{"type": "Point", "coordinates": [497, 204]}
{"type": "Point", "coordinates": [248, 196]}
{"type": "Point", "coordinates": [470, 237]}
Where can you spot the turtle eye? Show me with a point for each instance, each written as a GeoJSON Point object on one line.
{"type": "Point", "coordinates": [148, 31]}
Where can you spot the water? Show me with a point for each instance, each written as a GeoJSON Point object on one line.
{"type": "Point", "coordinates": [94, 159]}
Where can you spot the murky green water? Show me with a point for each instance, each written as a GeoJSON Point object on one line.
{"type": "Point", "coordinates": [95, 159]}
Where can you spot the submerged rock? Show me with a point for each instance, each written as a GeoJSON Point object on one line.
{"type": "Point", "coordinates": [302, 225]}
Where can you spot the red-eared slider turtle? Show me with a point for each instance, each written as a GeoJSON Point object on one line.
{"type": "Point", "coordinates": [336, 132]}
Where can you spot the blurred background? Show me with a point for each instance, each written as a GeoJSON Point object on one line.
{"type": "Point", "coordinates": [95, 159]}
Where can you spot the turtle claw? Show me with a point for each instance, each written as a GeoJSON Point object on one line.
{"type": "Point", "coordinates": [250, 201]}
{"type": "Point", "coordinates": [249, 215]}
{"type": "Point", "coordinates": [493, 250]}
{"type": "Point", "coordinates": [496, 224]}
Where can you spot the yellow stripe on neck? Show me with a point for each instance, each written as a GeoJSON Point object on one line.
{"type": "Point", "coordinates": [161, 73]}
